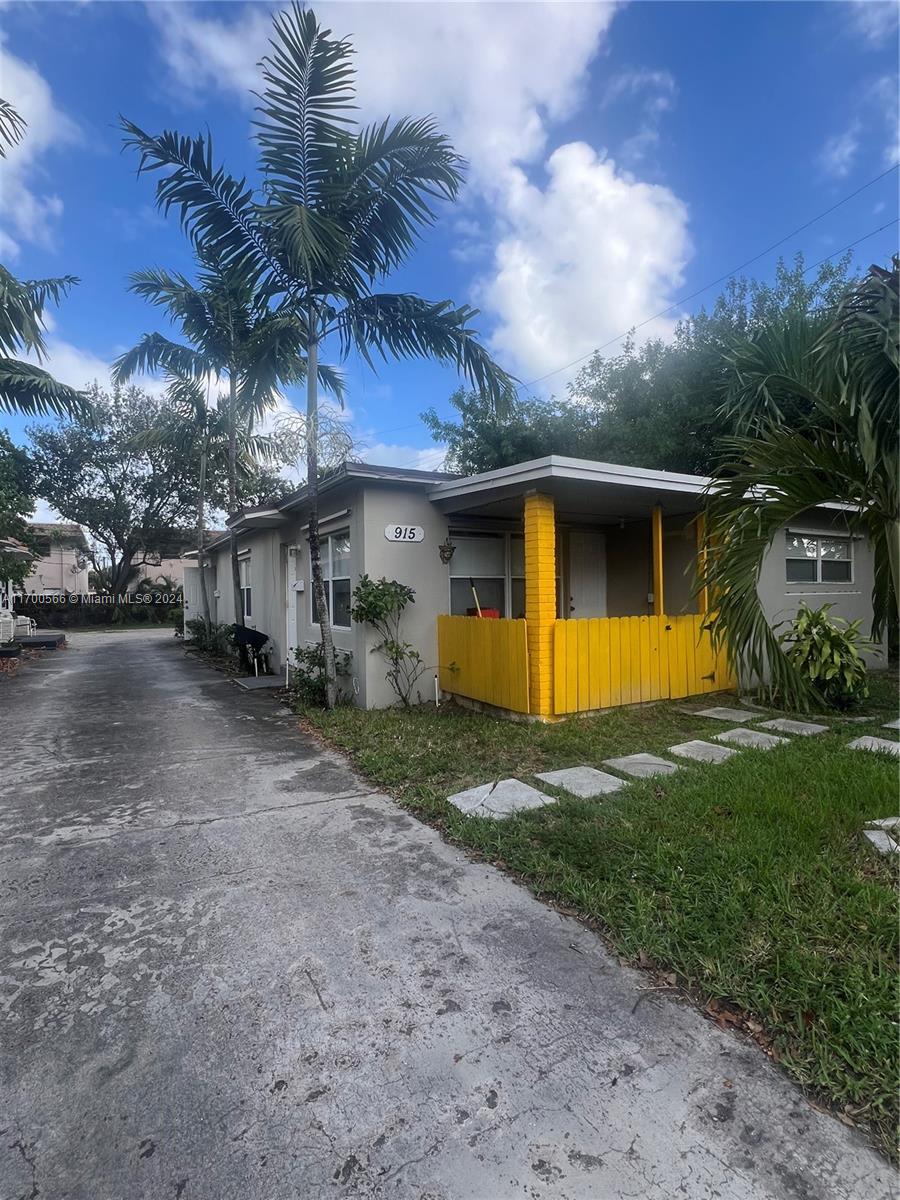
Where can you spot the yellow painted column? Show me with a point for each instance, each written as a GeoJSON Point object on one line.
{"type": "Point", "coordinates": [659, 599]}
{"type": "Point", "coordinates": [540, 598]}
{"type": "Point", "coordinates": [703, 594]}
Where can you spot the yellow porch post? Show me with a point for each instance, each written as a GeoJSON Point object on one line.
{"type": "Point", "coordinates": [703, 595]}
{"type": "Point", "coordinates": [659, 599]}
{"type": "Point", "coordinates": [540, 598]}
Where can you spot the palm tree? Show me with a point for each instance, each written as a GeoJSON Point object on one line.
{"type": "Point", "coordinates": [230, 337]}
{"type": "Point", "coordinates": [816, 407]}
{"type": "Point", "coordinates": [24, 387]}
{"type": "Point", "coordinates": [340, 208]}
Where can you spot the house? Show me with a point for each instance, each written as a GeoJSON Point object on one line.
{"type": "Point", "coordinates": [62, 562]}
{"type": "Point", "coordinates": [587, 568]}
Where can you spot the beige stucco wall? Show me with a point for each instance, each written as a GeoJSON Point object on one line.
{"type": "Point", "coordinates": [57, 572]}
{"type": "Point", "coordinates": [780, 599]}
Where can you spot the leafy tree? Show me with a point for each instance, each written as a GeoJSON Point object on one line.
{"type": "Point", "coordinates": [95, 471]}
{"type": "Point", "coordinates": [340, 209]}
{"type": "Point", "coordinates": [655, 405]}
{"type": "Point", "coordinates": [814, 401]}
{"type": "Point", "coordinates": [17, 495]}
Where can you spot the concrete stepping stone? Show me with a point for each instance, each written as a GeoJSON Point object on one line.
{"type": "Point", "coordinates": [882, 843]}
{"type": "Point", "coordinates": [751, 739]}
{"type": "Point", "coordinates": [895, 724]}
{"type": "Point", "coordinates": [888, 823]}
{"type": "Point", "coordinates": [800, 728]}
{"type": "Point", "coordinates": [876, 744]}
{"type": "Point", "coordinates": [585, 782]}
{"type": "Point", "coordinates": [728, 714]}
{"type": "Point", "coordinates": [641, 766]}
{"type": "Point", "coordinates": [700, 751]}
{"type": "Point", "coordinates": [499, 799]}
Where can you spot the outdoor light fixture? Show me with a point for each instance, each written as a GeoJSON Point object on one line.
{"type": "Point", "coordinates": [446, 550]}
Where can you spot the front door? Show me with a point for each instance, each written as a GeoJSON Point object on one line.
{"type": "Point", "coordinates": [587, 574]}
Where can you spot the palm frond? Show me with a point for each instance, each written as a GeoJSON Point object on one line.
{"type": "Point", "coordinates": [25, 388]}
{"type": "Point", "coordinates": [406, 326]}
{"type": "Point", "coordinates": [22, 303]}
{"type": "Point", "coordinates": [12, 126]}
{"type": "Point", "coordinates": [157, 353]}
{"type": "Point", "coordinates": [216, 210]}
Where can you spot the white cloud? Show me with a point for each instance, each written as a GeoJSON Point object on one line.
{"type": "Point", "coordinates": [80, 368]}
{"type": "Point", "coordinates": [586, 257]}
{"type": "Point", "coordinates": [874, 20]}
{"type": "Point", "coordinates": [387, 454]}
{"type": "Point", "coordinates": [838, 155]}
{"type": "Point", "coordinates": [884, 95]}
{"type": "Point", "coordinates": [31, 209]}
{"type": "Point", "coordinates": [581, 248]}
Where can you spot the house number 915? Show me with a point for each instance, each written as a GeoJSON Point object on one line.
{"type": "Point", "coordinates": [404, 533]}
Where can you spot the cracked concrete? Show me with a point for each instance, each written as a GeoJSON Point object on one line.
{"type": "Point", "coordinates": [230, 971]}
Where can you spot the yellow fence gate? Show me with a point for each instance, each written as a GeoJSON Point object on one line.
{"type": "Point", "coordinates": [485, 660]}
{"type": "Point", "coordinates": [602, 662]}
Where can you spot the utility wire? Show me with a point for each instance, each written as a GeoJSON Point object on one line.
{"type": "Point", "coordinates": [748, 262]}
{"type": "Point", "coordinates": [850, 245]}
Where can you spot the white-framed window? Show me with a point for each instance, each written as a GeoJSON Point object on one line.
{"type": "Point", "coordinates": [335, 552]}
{"type": "Point", "coordinates": [480, 561]}
{"type": "Point", "coordinates": [818, 558]}
{"type": "Point", "coordinates": [246, 587]}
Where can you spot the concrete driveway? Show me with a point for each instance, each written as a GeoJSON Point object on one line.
{"type": "Point", "coordinates": [231, 970]}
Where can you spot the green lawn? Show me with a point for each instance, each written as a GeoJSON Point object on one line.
{"type": "Point", "coordinates": [747, 885]}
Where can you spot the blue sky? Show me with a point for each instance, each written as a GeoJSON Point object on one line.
{"type": "Point", "coordinates": [621, 157]}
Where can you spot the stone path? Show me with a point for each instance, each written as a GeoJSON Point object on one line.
{"type": "Point", "coordinates": [509, 796]}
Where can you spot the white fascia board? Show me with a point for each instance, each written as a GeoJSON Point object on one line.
{"type": "Point", "coordinates": [584, 470]}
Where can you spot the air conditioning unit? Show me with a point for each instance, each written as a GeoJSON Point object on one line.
{"type": "Point", "coordinates": [7, 627]}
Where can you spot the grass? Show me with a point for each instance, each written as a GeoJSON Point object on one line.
{"type": "Point", "coordinates": [747, 885]}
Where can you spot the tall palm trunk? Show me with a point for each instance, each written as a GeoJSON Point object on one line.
{"type": "Point", "coordinates": [201, 532]}
{"type": "Point", "coordinates": [312, 482]}
{"type": "Point", "coordinates": [232, 498]}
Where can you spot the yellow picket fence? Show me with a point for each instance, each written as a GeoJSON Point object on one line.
{"type": "Point", "coordinates": [484, 660]}
{"type": "Point", "coordinates": [603, 662]}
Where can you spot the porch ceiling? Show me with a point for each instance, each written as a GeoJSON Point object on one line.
{"type": "Point", "coordinates": [583, 491]}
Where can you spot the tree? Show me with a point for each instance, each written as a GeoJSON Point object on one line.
{"type": "Point", "coordinates": [24, 387]}
{"type": "Point", "coordinates": [93, 470]}
{"type": "Point", "coordinates": [655, 405]}
{"type": "Point", "coordinates": [340, 209]}
{"type": "Point", "coordinates": [814, 401]}
{"type": "Point", "coordinates": [17, 495]}
{"type": "Point", "coordinates": [231, 338]}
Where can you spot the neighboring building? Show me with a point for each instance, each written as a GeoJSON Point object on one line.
{"type": "Point", "coordinates": [588, 568]}
{"type": "Point", "coordinates": [168, 565]}
{"type": "Point", "coordinates": [62, 562]}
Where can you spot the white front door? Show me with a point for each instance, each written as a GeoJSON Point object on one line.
{"type": "Point", "coordinates": [587, 574]}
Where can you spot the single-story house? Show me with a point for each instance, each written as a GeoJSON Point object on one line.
{"type": "Point", "coordinates": [586, 569]}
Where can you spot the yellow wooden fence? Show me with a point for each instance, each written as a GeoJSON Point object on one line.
{"type": "Point", "coordinates": [603, 662]}
{"type": "Point", "coordinates": [484, 660]}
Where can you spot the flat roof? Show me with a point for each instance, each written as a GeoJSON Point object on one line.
{"type": "Point", "coordinates": [579, 485]}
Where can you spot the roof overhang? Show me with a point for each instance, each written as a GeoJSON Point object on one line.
{"type": "Point", "coordinates": [583, 489]}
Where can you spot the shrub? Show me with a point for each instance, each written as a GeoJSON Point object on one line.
{"type": "Point", "coordinates": [826, 651]}
{"type": "Point", "coordinates": [381, 605]}
{"type": "Point", "coordinates": [212, 638]}
{"type": "Point", "coordinates": [308, 677]}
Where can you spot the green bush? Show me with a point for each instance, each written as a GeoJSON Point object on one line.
{"type": "Point", "coordinates": [381, 604]}
{"type": "Point", "coordinates": [212, 638]}
{"type": "Point", "coordinates": [308, 675]}
{"type": "Point", "coordinates": [826, 651]}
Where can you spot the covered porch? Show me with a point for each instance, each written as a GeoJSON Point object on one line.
{"type": "Point", "coordinates": [587, 573]}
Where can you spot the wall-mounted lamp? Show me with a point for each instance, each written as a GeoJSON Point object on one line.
{"type": "Point", "coordinates": [446, 550]}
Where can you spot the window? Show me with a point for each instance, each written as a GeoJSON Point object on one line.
{"type": "Point", "coordinates": [246, 591]}
{"type": "Point", "coordinates": [335, 551]}
{"type": "Point", "coordinates": [812, 558]}
{"type": "Point", "coordinates": [479, 560]}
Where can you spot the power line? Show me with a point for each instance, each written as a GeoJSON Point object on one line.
{"type": "Point", "coordinates": [850, 245]}
{"type": "Point", "coordinates": [677, 304]}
